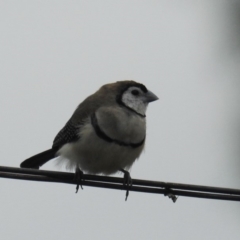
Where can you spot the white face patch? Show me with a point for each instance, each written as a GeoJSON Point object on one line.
{"type": "Point", "coordinates": [134, 98]}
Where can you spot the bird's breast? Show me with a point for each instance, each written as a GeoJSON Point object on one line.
{"type": "Point", "coordinates": [94, 154]}
{"type": "Point", "coordinates": [121, 125]}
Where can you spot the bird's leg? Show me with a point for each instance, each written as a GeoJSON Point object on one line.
{"type": "Point", "coordinates": [127, 181]}
{"type": "Point", "coordinates": [79, 178]}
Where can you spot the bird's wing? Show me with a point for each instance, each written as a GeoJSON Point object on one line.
{"type": "Point", "coordinates": [69, 133]}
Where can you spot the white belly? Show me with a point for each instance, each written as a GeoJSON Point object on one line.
{"type": "Point", "coordinates": [95, 155]}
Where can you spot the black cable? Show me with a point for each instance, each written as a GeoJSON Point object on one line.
{"type": "Point", "coordinates": [168, 189]}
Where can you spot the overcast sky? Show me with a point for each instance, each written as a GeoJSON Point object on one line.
{"type": "Point", "coordinates": [53, 54]}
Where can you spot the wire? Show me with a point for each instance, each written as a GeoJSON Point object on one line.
{"type": "Point", "coordinates": [168, 189]}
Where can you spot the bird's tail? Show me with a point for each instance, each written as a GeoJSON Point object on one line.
{"type": "Point", "coordinates": [38, 160]}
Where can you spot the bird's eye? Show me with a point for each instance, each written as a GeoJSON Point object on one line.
{"type": "Point", "coordinates": [135, 92]}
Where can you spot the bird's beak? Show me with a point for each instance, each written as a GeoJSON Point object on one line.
{"type": "Point", "coordinates": [150, 97]}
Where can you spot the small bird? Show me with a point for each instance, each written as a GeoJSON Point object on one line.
{"type": "Point", "coordinates": [105, 134]}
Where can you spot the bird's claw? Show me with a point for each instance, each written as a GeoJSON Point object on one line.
{"type": "Point", "coordinates": [78, 178]}
{"type": "Point", "coordinates": [127, 182]}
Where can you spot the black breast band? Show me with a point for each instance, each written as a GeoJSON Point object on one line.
{"type": "Point", "coordinates": [102, 135]}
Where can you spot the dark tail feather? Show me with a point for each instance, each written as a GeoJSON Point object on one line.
{"type": "Point", "coordinates": [38, 160]}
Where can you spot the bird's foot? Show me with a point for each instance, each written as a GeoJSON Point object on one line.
{"type": "Point", "coordinates": [127, 181]}
{"type": "Point", "coordinates": [78, 178]}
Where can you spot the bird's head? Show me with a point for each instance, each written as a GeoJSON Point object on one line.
{"type": "Point", "coordinates": [134, 96]}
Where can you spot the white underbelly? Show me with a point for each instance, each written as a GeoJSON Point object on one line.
{"type": "Point", "coordinates": [95, 155]}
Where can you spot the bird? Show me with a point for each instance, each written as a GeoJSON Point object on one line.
{"type": "Point", "coordinates": [105, 134]}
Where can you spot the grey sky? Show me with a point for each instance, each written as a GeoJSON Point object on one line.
{"type": "Point", "coordinates": [53, 54]}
